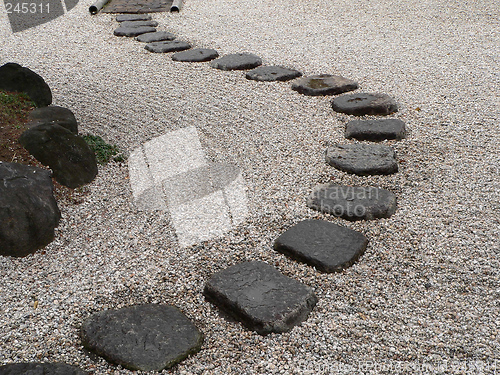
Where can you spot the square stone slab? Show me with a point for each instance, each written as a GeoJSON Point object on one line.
{"type": "Point", "coordinates": [328, 247]}
{"type": "Point", "coordinates": [375, 130]}
{"type": "Point", "coordinates": [147, 337]}
{"type": "Point", "coordinates": [260, 297]}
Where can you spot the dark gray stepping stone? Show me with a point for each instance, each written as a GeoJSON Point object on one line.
{"type": "Point", "coordinates": [272, 73]}
{"type": "Point", "coordinates": [260, 297]}
{"type": "Point", "coordinates": [133, 17]}
{"type": "Point", "coordinates": [362, 159]}
{"type": "Point", "coordinates": [133, 31]}
{"type": "Point", "coordinates": [237, 61]}
{"type": "Point", "coordinates": [138, 23]}
{"type": "Point", "coordinates": [328, 247]}
{"type": "Point", "coordinates": [375, 130]}
{"type": "Point", "coordinates": [196, 55]}
{"type": "Point", "coordinates": [353, 202]}
{"type": "Point", "coordinates": [365, 104]}
{"type": "Point", "coordinates": [167, 46]}
{"type": "Point", "coordinates": [144, 337]}
{"type": "Point", "coordinates": [324, 84]}
{"type": "Point", "coordinates": [157, 36]}
{"type": "Point", "coordinates": [34, 368]}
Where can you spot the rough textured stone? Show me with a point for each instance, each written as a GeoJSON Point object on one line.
{"type": "Point", "coordinates": [323, 84]}
{"type": "Point", "coordinates": [28, 209]}
{"type": "Point", "coordinates": [34, 368]}
{"type": "Point", "coordinates": [272, 73]}
{"type": "Point", "coordinates": [144, 337]}
{"type": "Point", "coordinates": [14, 77]}
{"type": "Point", "coordinates": [167, 46]}
{"type": "Point", "coordinates": [353, 202]}
{"type": "Point", "coordinates": [196, 55]}
{"type": "Point", "coordinates": [133, 17]}
{"type": "Point", "coordinates": [138, 23]}
{"type": "Point", "coordinates": [133, 31]}
{"type": "Point", "coordinates": [157, 36]}
{"type": "Point", "coordinates": [53, 115]}
{"type": "Point", "coordinates": [237, 61]}
{"type": "Point", "coordinates": [362, 159]}
{"type": "Point", "coordinates": [68, 155]}
{"type": "Point", "coordinates": [365, 104]}
{"type": "Point", "coordinates": [260, 297]}
{"type": "Point", "coordinates": [328, 247]}
{"type": "Point", "coordinates": [375, 130]}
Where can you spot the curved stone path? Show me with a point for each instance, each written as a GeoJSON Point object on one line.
{"type": "Point", "coordinates": [205, 200]}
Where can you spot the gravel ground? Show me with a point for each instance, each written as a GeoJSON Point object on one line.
{"type": "Point", "coordinates": [424, 296]}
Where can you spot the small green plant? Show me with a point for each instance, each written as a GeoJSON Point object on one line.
{"type": "Point", "coordinates": [104, 152]}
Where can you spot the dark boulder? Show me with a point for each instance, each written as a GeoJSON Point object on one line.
{"type": "Point", "coordinates": [68, 155]}
{"type": "Point", "coordinates": [28, 209]}
{"type": "Point", "coordinates": [54, 115]}
{"type": "Point", "coordinates": [14, 77]}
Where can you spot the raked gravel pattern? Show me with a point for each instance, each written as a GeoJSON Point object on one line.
{"type": "Point", "coordinates": [425, 295]}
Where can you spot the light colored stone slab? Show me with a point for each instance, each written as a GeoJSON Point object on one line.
{"type": "Point", "coordinates": [236, 199]}
{"type": "Point", "coordinates": [200, 220]}
{"type": "Point", "coordinates": [146, 195]}
{"type": "Point", "coordinates": [174, 153]}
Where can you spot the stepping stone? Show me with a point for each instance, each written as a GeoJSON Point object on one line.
{"type": "Point", "coordinates": [328, 247]}
{"type": "Point", "coordinates": [144, 337]}
{"type": "Point", "coordinates": [133, 31]}
{"type": "Point", "coordinates": [138, 23]}
{"type": "Point", "coordinates": [237, 61]}
{"type": "Point", "coordinates": [272, 73]}
{"type": "Point", "coordinates": [133, 17]}
{"type": "Point", "coordinates": [324, 84]}
{"type": "Point", "coordinates": [362, 159]}
{"type": "Point", "coordinates": [157, 36]}
{"type": "Point", "coordinates": [196, 55]}
{"type": "Point", "coordinates": [171, 172]}
{"type": "Point", "coordinates": [167, 46]}
{"type": "Point", "coordinates": [353, 202]}
{"type": "Point", "coordinates": [365, 104]}
{"type": "Point", "coordinates": [259, 296]}
{"type": "Point", "coordinates": [375, 130]}
{"type": "Point", "coordinates": [36, 368]}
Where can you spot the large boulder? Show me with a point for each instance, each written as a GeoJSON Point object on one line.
{"type": "Point", "coordinates": [68, 155]}
{"type": "Point", "coordinates": [54, 115]}
{"type": "Point", "coordinates": [14, 77]}
{"type": "Point", "coordinates": [28, 209]}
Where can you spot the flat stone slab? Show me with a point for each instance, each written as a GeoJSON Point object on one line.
{"type": "Point", "coordinates": [171, 172]}
{"type": "Point", "coordinates": [138, 23]}
{"type": "Point", "coordinates": [157, 36]}
{"type": "Point", "coordinates": [133, 31]}
{"type": "Point", "coordinates": [362, 104]}
{"type": "Point", "coordinates": [272, 73]}
{"type": "Point", "coordinates": [196, 55]}
{"type": "Point", "coordinates": [362, 159]}
{"type": "Point", "coordinates": [237, 61]}
{"type": "Point", "coordinates": [375, 130]}
{"type": "Point", "coordinates": [132, 17]}
{"type": "Point", "coordinates": [137, 6]}
{"type": "Point", "coordinates": [259, 296]}
{"type": "Point", "coordinates": [353, 202]}
{"type": "Point", "coordinates": [323, 84]}
{"type": "Point", "coordinates": [328, 247]}
{"type": "Point", "coordinates": [37, 368]}
{"type": "Point", "coordinates": [144, 337]}
{"type": "Point", "coordinates": [167, 46]}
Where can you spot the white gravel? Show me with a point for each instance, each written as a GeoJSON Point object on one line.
{"type": "Point", "coordinates": [424, 297]}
